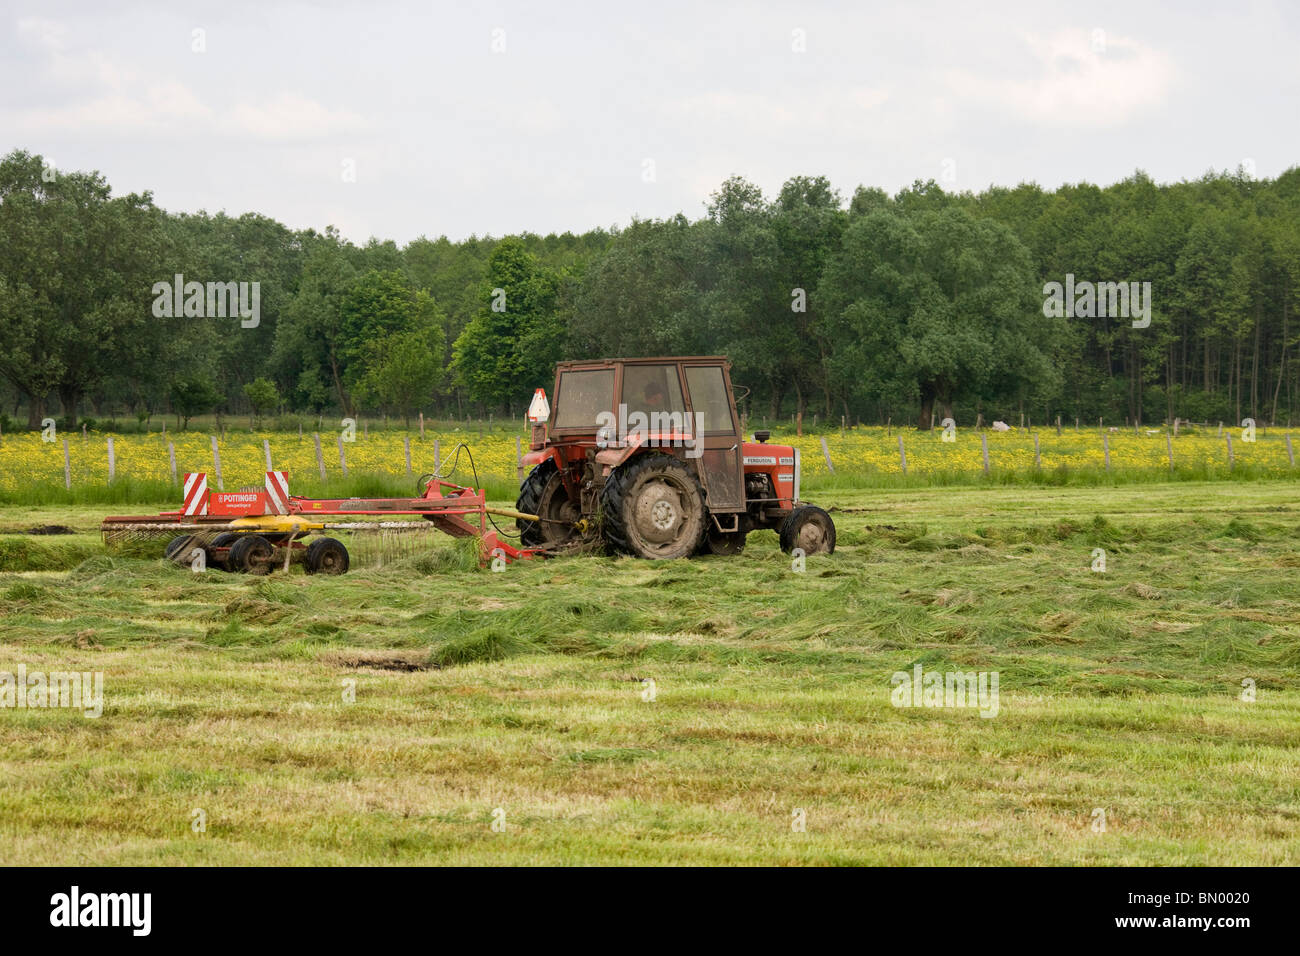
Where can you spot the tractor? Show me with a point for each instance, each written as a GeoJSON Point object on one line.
{"type": "Point", "coordinates": [648, 454]}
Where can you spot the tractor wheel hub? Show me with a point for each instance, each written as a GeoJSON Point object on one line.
{"type": "Point", "coordinates": [659, 514]}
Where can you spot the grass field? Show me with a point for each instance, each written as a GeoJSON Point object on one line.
{"type": "Point", "coordinates": [521, 697]}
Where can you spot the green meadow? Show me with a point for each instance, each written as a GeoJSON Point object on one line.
{"type": "Point", "coordinates": [736, 710]}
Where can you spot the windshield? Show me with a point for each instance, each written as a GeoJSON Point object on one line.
{"type": "Point", "coordinates": [583, 395]}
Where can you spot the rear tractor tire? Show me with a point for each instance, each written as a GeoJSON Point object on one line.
{"type": "Point", "coordinates": [326, 556]}
{"type": "Point", "coordinates": [543, 494]}
{"type": "Point", "coordinates": [810, 529]}
{"type": "Point", "coordinates": [654, 508]}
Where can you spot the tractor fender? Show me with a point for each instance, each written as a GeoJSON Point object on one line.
{"type": "Point", "coordinates": [537, 457]}
{"type": "Point", "coordinates": [611, 458]}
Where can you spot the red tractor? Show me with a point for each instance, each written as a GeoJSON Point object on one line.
{"type": "Point", "coordinates": [648, 452]}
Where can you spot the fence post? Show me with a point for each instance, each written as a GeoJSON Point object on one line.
{"type": "Point", "coordinates": [406, 444]}
{"type": "Point", "coordinates": [1289, 452]}
{"type": "Point", "coordinates": [519, 462]}
{"type": "Point", "coordinates": [320, 458]}
{"type": "Point", "coordinates": [437, 455]}
{"type": "Point", "coordinates": [67, 467]}
{"type": "Point", "coordinates": [1058, 426]}
{"type": "Point", "coordinates": [1105, 444]}
{"type": "Point", "coordinates": [1231, 463]}
{"type": "Point", "coordinates": [827, 452]}
{"type": "Point", "coordinates": [171, 458]}
{"type": "Point", "coordinates": [343, 461]}
{"type": "Point", "coordinates": [266, 447]}
{"type": "Point", "coordinates": [984, 447]}
{"type": "Point", "coordinates": [902, 454]}
{"type": "Point", "coordinates": [1169, 444]}
{"type": "Point", "coordinates": [1220, 432]}
{"type": "Point", "coordinates": [422, 432]}
{"type": "Point", "coordinates": [112, 460]}
{"type": "Point", "coordinates": [1175, 426]}
{"type": "Point", "coordinates": [1038, 460]}
{"type": "Point", "coordinates": [216, 463]}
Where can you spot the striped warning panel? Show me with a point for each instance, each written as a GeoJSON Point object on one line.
{"type": "Point", "coordinates": [196, 493]}
{"type": "Point", "coordinates": [277, 492]}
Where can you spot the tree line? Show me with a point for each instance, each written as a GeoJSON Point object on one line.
{"type": "Point", "coordinates": [922, 305]}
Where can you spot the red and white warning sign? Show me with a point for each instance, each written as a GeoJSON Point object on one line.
{"type": "Point", "coordinates": [196, 493]}
{"type": "Point", "coordinates": [277, 492]}
{"type": "Point", "coordinates": [540, 409]}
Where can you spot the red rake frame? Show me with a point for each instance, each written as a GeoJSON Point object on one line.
{"type": "Point", "coordinates": [457, 510]}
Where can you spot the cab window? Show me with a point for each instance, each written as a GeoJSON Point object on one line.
{"type": "Point", "coordinates": [709, 395]}
{"type": "Point", "coordinates": [582, 395]}
{"type": "Point", "coordinates": [653, 389]}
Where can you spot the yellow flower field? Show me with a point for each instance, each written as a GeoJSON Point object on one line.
{"type": "Point", "coordinates": [27, 461]}
{"type": "Point", "coordinates": [872, 450]}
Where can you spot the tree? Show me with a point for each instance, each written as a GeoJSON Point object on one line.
{"type": "Point", "coordinates": [310, 345]}
{"type": "Point", "coordinates": [644, 293]}
{"type": "Point", "coordinates": [404, 369]}
{"type": "Point", "coordinates": [261, 394]}
{"type": "Point", "coordinates": [391, 340]}
{"type": "Point", "coordinates": [935, 306]}
{"type": "Point", "coordinates": [511, 345]}
{"type": "Point", "coordinates": [193, 396]}
{"type": "Point", "coordinates": [76, 269]}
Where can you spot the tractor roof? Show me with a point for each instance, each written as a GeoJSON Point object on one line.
{"type": "Point", "coordinates": [706, 359]}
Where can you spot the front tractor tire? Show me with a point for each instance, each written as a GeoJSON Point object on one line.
{"type": "Point", "coordinates": [654, 508]}
{"type": "Point", "coordinates": [810, 529]}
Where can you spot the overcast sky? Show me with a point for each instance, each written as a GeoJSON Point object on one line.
{"type": "Point", "coordinates": [397, 120]}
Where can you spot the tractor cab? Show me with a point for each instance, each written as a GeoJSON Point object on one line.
{"type": "Point", "coordinates": [652, 448]}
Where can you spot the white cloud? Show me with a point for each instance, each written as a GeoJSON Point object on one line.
{"type": "Point", "coordinates": [289, 117]}
{"type": "Point", "coordinates": [110, 99]}
{"type": "Point", "coordinates": [157, 109]}
{"type": "Point", "coordinates": [778, 114]}
{"type": "Point", "coordinates": [1081, 79]}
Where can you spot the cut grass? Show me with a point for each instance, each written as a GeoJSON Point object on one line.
{"type": "Point", "coordinates": [528, 691]}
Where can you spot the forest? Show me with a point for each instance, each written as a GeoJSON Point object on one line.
{"type": "Point", "coordinates": [861, 308]}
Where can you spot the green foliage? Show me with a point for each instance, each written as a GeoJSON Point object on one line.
{"type": "Point", "coordinates": [76, 269]}
{"type": "Point", "coordinates": [261, 394]}
{"type": "Point", "coordinates": [917, 305]}
{"type": "Point", "coordinates": [511, 345]}
{"type": "Point", "coordinates": [194, 396]}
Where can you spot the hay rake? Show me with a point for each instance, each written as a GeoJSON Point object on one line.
{"type": "Point", "coordinates": [257, 530]}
